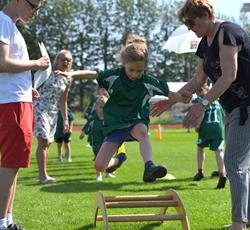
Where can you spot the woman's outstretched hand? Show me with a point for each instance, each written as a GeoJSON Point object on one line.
{"type": "Point", "coordinates": [158, 107]}
{"type": "Point", "coordinates": [194, 117]}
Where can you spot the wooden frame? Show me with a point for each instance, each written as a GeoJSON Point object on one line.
{"type": "Point", "coordinates": [171, 199]}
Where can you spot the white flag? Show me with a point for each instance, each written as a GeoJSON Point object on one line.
{"type": "Point", "coordinates": [41, 76]}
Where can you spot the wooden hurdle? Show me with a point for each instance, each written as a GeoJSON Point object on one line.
{"type": "Point", "coordinates": [171, 199]}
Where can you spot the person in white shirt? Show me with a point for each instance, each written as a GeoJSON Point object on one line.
{"type": "Point", "coordinates": [16, 117]}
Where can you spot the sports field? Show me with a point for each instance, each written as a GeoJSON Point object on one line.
{"type": "Point", "coordinates": [68, 203]}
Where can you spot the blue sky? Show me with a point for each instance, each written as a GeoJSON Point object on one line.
{"type": "Point", "coordinates": [228, 7]}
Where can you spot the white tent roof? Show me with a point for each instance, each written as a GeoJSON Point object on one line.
{"type": "Point", "coordinates": [173, 86]}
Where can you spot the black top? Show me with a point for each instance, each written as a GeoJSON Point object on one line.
{"type": "Point", "coordinates": [239, 92]}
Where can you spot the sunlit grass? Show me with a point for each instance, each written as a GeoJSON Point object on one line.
{"type": "Point", "coordinates": [68, 204]}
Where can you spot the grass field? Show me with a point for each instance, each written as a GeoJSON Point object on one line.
{"type": "Point", "coordinates": [68, 204]}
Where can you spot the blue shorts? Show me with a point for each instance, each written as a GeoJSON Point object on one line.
{"type": "Point", "coordinates": [120, 135]}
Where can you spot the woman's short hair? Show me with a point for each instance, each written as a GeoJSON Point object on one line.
{"type": "Point", "coordinates": [195, 8]}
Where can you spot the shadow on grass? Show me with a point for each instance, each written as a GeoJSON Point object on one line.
{"type": "Point", "coordinates": [150, 226]}
{"type": "Point", "coordinates": [85, 227]}
{"type": "Point", "coordinates": [86, 186]}
{"type": "Point", "coordinates": [146, 227]}
{"type": "Point", "coordinates": [81, 186]}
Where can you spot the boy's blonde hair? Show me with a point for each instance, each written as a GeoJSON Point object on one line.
{"type": "Point", "coordinates": [195, 8]}
{"type": "Point", "coordinates": [134, 52]}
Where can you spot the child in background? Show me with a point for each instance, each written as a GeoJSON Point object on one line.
{"type": "Point", "coordinates": [53, 97]}
{"type": "Point", "coordinates": [86, 130]}
{"type": "Point", "coordinates": [98, 136]}
{"type": "Point", "coordinates": [126, 113]}
{"type": "Point", "coordinates": [211, 134]}
{"type": "Point", "coordinates": [134, 38]}
{"type": "Point", "coordinates": [61, 137]}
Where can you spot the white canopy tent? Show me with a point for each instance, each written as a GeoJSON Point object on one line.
{"type": "Point", "coordinates": [182, 40]}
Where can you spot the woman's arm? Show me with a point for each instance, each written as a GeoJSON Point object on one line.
{"type": "Point", "coordinates": [183, 95]}
{"type": "Point", "coordinates": [229, 65]}
{"type": "Point", "coordinates": [79, 74]}
{"type": "Point", "coordinates": [84, 74]}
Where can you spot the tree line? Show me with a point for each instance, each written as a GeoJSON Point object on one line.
{"type": "Point", "coordinates": [95, 30]}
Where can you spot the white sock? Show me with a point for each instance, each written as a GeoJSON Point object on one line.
{"type": "Point", "coordinates": [9, 218]}
{"type": "Point", "coordinates": [3, 222]}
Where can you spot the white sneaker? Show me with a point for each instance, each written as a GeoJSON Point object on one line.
{"type": "Point", "coordinates": [110, 175]}
{"type": "Point", "coordinates": [98, 178]}
{"type": "Point", "coordinates": [69, 160]}
{"type": "Point", "coordinates": [47, 180]}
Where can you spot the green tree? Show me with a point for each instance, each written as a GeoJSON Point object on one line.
{"type": "Point", "coordinates": [95, 30]}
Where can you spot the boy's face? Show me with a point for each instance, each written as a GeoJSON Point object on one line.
{"type": "Point", "coordinates": [134, 70]}
{"type": "Point", "coordinates": [102, 100]}
{"type": "Point", "coordinates": [27, 9]}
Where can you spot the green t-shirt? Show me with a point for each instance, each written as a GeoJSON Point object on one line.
{"type": "Point", "coordinates": [128, 103]}
{"type": "Point", "coordinates": [87, 128]}
{"type": "Point", "coordinates": [212, 125]}
{"type": "Point", "coordinates": [90, 109]}
{"type": "Point", "coordinates": [97, 133]}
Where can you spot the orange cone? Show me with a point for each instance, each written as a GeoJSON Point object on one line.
{"type": "Point", "coordinates": [158, 132]}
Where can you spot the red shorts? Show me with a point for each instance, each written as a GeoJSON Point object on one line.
{"type": "Point", "coordinates": [16, 131]}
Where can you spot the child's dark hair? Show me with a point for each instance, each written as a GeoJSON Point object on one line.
{"type": "Point", "coordinates": [134, 38]}
{"type": "Point", "coordinates": [134, 52]}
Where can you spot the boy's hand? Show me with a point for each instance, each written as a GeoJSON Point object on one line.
{"type": "Point", "coordinates": [82, 135]}
{"type": "Point", "coordinates": [66, 126]}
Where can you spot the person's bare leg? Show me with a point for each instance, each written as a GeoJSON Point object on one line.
{"type": "Point", "coordinates": [200, 158]}
{"type": "Point", "coordinates": [7, 189]}
{"type": "Point", "coordinates": [67, 148]}
{"type": "Point", "coordinates": [140, 133]}
{"type": "Point", "coordinates": [104, 157]}
{"type": "Point", "coordinates": [59, 152]}
{"type": "Point", "coordinates": [220, 161]}
{"type": "Point", "coordinates": [151, 171]}
{"type": "Point", "coordinates": [12, 196]}
{"type": "Point", "coordinates": [42, 157]}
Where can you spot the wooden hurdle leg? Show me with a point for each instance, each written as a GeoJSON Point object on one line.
{"type": "Point", "coordinates": [180, 209]}
{"type": "Point", "coordinates": [100, 203]}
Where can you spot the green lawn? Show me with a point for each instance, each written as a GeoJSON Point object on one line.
{"type": "Point", "coordinates": [68, 204]}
